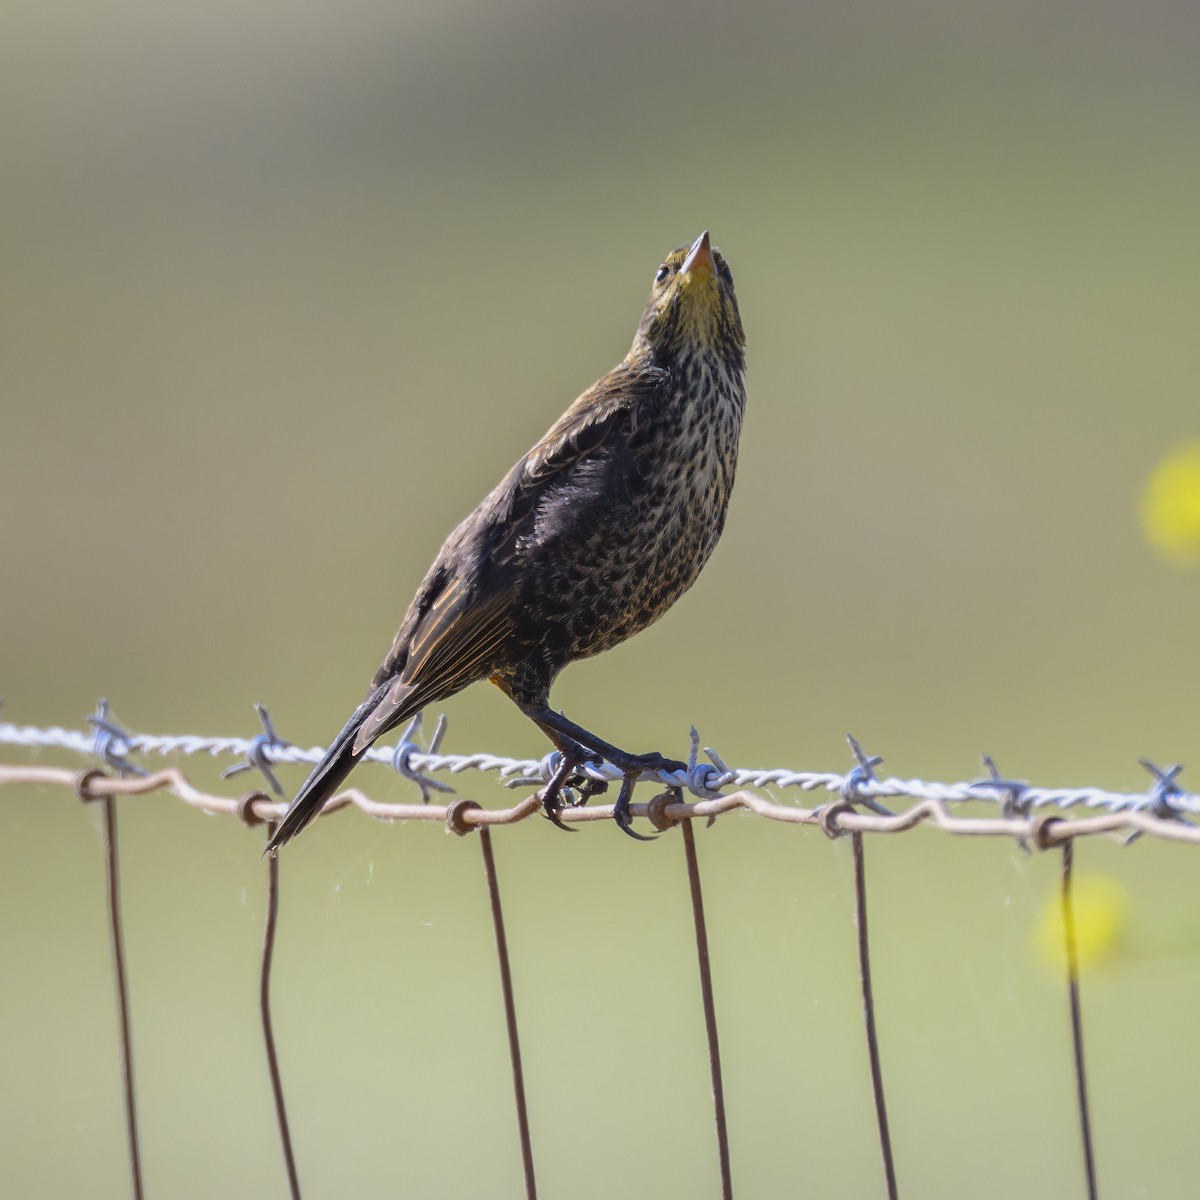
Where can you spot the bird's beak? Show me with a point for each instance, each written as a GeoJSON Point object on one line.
{"type": "Point", "coordinates": [699, 258]}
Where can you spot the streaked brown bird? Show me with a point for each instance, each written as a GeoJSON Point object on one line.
{"type": "Point", "coordinates": [591, 537]}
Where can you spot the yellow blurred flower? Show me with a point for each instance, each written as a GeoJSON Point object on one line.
{"type": "Point", "coordinates": [1100, 905]}
{"type": "Point", "coordinates": [1171, 506]}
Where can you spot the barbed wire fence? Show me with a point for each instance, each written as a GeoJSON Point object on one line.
{"type": "Point", "coordinates": [1032, 816]}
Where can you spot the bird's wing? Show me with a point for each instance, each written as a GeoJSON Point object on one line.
{"type": "Point", "coordinates": [453, 646]}
{"type": "Point", "coordinates": [582, 430]}
{"type": "Point", "coordinates": [449, 637]}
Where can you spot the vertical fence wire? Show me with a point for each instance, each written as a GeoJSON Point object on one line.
{"type": "Point", "coordinates": [117, 938]}
{"type": "Point", "coordinates": [1081, 1089]}
{"type": "Point", "coordinates": [121, 980]}
{"type": "Point", "coordinates": [264, 998]}
{"type": "Point", "coordinates": [510, 1012]}
{"type": "Point", "coordinates": [864, 971]}
{"type": "Point", "coordinates": [710, 1011]}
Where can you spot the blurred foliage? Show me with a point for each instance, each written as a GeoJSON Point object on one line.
{"type": "Point", "coordinates": [288, 287]}
{"type": "Point", "coordinates": [1100, 917]}
{"type": "Point", "coordinates": [1171, 506]}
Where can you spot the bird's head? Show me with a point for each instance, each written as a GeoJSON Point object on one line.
{"type": "Point", "coordinates": [692, 310]}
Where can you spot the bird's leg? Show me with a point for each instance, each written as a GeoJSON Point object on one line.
{"type": "Point", "coordinates": [585, 785]}
{"type": "Point", "coordinates": [559, 730]}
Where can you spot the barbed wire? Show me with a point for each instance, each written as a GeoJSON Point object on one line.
{"type": "Point", "coordinates": [1161, 811]}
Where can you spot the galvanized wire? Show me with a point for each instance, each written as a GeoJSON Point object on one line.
{"type": "Point", "coordinates": [1161, 811]}
{"type": "Point", "coordinates": [1027, 812]}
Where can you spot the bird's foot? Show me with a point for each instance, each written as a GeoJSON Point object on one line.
{"type": "Point", "coordinates": [551, 797]}
{"type": "Point", "coordinates": [637, 763]}
{"type": "Point", "coordinates": [586, 787]}
{"type": "Point", "coordinates": [566, 776]}
{"type": "Point", "coordinates": [571, 737]}
{"type": "Point", "coordinates": [621, 813]}
{"type": "Point", "coordinates": [632, 766]}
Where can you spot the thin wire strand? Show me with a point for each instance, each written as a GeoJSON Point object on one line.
{"type": "Point", "coordinates": [868, 995]}
{"type": "Point", "coordinates": [703, 781]}
{"type": "Point", "coordinates": [264, 996]}
{"type": "Point", "coordinates": [117, 938]}
{"type": "Point", "coordinates": [1043, 831]}
{"type": "Point", "coordinates": [510, 1013]}
{"type": "Point", "coordinates": [710, 1010]}
{"type": "Point", "coordinates": [1159, 812]}
{"type": "Point", "coordinates": [1081, 1088]}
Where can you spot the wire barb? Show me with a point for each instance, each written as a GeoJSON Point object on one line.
{"type": "Point", "coordinates": [1162, 811]}
{"type": "Point", "coordinates": [853, 787]}
{"type": "Point", "coordinates": [110, 742]}
{"type": "Point", "coordinates": [403, 754]}
{"type": "Point", "coordinates": [1163, 791]}
{"type": "Point", "coordinates": [258, 753]}
{"type": "Point", "coordinates": [1164, 788]}
{"type": "Point", "coordinates": [1012, 795]}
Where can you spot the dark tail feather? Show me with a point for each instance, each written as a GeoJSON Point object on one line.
{"type": "Point", "coordinates": [327, 776]}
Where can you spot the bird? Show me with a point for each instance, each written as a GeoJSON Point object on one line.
{"type": "Point", "coordinates": [587, 540]}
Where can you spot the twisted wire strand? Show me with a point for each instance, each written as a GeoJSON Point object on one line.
{"type": "Point", "coordinates": [1159, 811]}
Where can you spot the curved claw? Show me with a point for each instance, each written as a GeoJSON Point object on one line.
{"type": "Point", "coordinates": [625, 828]}
{"type": "Point", "coordinates": [621, 816]}
{"type": "Point", "coordinates": [552, 816]}
{"type": "Point", "coordinates": [552, 805]}
{"type": "Point", "coordinates": [551, 796]}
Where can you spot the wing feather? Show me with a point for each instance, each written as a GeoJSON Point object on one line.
{"type": "Point", "coordinates": [583, 430]}
{"type": "Point", "coordinates": [452, 647]}
{"type": "Point", "coordinates": [464, 610]}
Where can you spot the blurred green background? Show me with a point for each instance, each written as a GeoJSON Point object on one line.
{"type": "Point", "coordinates": [287, 287]}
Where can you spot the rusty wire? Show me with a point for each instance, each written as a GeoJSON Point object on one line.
{"type": "Point", "coordinates": [868, 995]}
{"type": "Point", "coordinates": [710, 1010]}
{"type": "Point", "coordinates": [270, 926]}
{"type": "Point", "coordinates": [112, 856]}
{"type": "Point", "coordinates": [510, 1010]}
{"type": "Point", "coordinates": [1042, 831]}
{"type": "Point", "coordinates": [1160, 812]}
{"type": "Point", "coordinates": [1072, 964]}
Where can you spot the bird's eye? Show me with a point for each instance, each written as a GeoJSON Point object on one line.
{"type": "Point", "coordinates": [663, 272]}
{"type": "Point", "coordinates": [726, 274]}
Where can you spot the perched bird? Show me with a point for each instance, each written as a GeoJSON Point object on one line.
{"type": "Point", "coordinates": [592, 536]}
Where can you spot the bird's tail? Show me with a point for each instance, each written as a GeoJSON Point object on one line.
{"type": "Point", "coordinates": [339, 760]}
